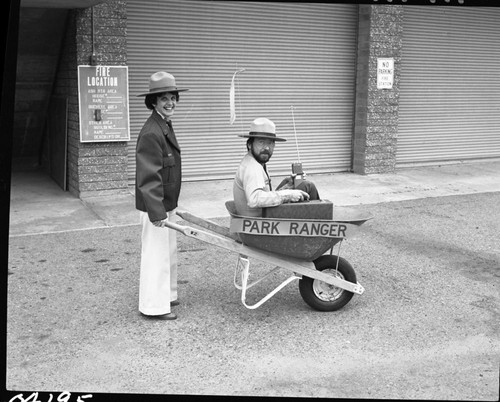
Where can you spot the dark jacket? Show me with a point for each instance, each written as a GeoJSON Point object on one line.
{"type": "Point", "coordinates": [158, 169]}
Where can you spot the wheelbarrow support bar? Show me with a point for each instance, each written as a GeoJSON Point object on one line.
{"type": "Point", "coordinates": [243, 269]}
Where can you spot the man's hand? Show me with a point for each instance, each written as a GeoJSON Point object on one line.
{"type": "Point", "coordinates": [293, 195]}
{"type": "Point", "coordinates": [287, 183]}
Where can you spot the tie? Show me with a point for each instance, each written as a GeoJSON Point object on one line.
{"type": "Point", "coordinates": [268, 178]}
{"type": "Point", "coordinates": [171, 134]}
{"type": "Point", "coordinates": [171, 128]}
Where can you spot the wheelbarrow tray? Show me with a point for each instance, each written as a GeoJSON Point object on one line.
{"type": "Point", "coordinates": [222, 237]}
{"type": "Point", "coordinates": [300, 230]}
{"type": "Point", "coordinates": [320, 280]}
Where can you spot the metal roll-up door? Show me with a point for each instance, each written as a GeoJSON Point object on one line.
{"type": "Point", "coordinates": [294, 54]}
{"type": "Point", "coordinates": [450, 85]}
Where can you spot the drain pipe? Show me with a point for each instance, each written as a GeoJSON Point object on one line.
{"type": "Point", "coordinates": [93, 57]}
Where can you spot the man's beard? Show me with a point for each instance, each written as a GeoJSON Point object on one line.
{"type": "Point", "coordinates": [261, 157]}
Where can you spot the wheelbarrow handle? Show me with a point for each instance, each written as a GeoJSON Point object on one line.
{"type": "Point", "coordinates": [180, 228]}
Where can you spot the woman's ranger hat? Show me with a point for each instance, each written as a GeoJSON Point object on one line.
{"type": "Point", "coordinates": [162, 82]}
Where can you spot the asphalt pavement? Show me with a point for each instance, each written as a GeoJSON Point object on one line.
{"type": "Point", "coordinates": [427, 326]}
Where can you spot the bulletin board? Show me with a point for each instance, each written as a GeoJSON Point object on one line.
{"type": "Point", "coordinates": [103, 102]}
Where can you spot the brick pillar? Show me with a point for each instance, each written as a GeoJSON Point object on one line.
{"type": "Point", "coordinates": [376, 122]}
{"type": "Point", "coordinates": [93, 168]}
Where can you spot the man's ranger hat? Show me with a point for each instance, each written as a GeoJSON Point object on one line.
{"type": "Point", "coordinates": [262, 128]}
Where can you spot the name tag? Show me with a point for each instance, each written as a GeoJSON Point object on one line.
{"type": "Point", "coordinates": [291, 227]}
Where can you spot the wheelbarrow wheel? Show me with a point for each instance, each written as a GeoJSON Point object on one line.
{"type": "Point", "coordinates": [322, 296]}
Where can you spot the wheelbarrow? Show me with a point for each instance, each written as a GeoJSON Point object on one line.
{"type": "Point", "coordinates": [327, 282]}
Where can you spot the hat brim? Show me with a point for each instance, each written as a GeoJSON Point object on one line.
{"type": "Point", "coordinates": [267, 137]}
{"type": "Point", "coordinates": [161, 90]}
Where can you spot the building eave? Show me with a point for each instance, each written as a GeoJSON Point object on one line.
{"type": "Point", "coordinates": [68, 4]}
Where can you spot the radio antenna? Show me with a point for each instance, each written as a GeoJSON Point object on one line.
{"type": "Point", "coordinates": [295, 133]}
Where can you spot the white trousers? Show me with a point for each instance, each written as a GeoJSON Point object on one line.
{"type": "Point", "coordinates": [158, 277]}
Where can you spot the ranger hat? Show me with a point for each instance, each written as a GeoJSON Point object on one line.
{"type": "Point", "coordinates": [162, 82]}
{"type": "Point", "coordinates": [262, 128]}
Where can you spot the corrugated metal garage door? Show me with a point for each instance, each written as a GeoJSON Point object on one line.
{"type": "Point", "coordinates": [450, 85]}
{"type": "Point", "coordinates": [294, 54]}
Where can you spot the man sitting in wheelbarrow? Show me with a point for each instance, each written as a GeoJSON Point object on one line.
{"type": "Point", "coordinates": [252, 188]}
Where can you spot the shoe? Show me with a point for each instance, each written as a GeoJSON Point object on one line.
{"type": "Point", "coordinates": [168, 316]}
{"type": "Point", "coordinates": [175, 303]}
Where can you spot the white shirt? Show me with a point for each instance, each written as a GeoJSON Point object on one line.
{"type": "Point", "coordinates": [252, 188]}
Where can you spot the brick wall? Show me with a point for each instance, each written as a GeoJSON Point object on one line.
{"type": "Point", "coordinates": [376, 121]}
{"type": "Point", "coordinates": [100, 33]}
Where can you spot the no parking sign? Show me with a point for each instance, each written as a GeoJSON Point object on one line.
{"type": "Point", "coordinates": [385, 73]}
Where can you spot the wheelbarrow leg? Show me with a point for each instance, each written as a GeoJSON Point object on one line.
{"type": "Point", "coordinates": [243, 269]}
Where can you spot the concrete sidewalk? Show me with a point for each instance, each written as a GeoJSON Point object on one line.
{"type": "Point", "coordinates": [38, 205]}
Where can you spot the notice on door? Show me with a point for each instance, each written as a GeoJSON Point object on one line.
{"type": "Point", "coordinates": [385, 73]}
{"type": "Point", "coordinates": [103, 100]}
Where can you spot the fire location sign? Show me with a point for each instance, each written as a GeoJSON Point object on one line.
{"type": "Point", "coordinates": [103, 99]}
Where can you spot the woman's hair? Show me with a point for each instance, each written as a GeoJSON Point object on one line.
{"type": "Point", "coordinates": [150, 99]}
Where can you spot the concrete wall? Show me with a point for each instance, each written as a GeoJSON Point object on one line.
{"type": "Point", "coordinates": [39, 44]}
{"type": "Point", "coordinates": [100, 33]}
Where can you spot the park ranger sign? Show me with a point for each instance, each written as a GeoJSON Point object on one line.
{"type": "Point", "coordinates": [290, 227]}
